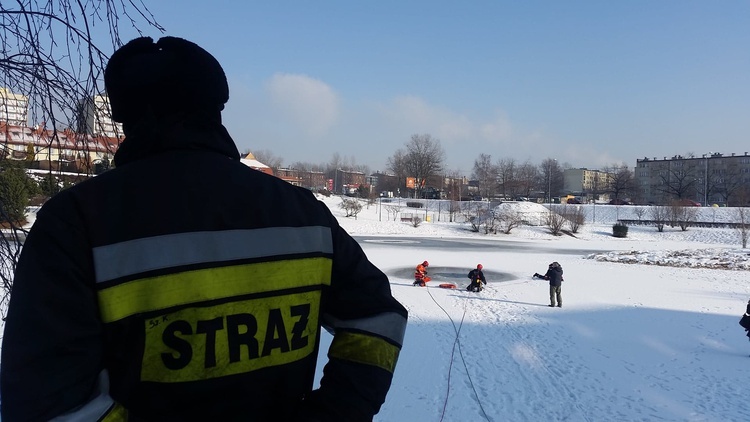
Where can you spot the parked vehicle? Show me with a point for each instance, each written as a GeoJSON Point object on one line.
{"type": "Point", "coordinates": [619, 202]}
{"type": "Point", "coordinates": [687, 203]}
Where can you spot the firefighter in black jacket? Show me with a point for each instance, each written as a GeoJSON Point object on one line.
{"type": "Point", "coordinates": [183, 285]}
{"type": "Point", "coordinates": [477, 279]}
{"type": "Point", "coordinates": [555, 276]}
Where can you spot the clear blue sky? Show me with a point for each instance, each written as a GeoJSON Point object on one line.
{"type": "Point", "coordinates": [589, 83]}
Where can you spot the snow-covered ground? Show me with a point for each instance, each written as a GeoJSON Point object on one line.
{"type": "Point", "coordinates": [648, 331]}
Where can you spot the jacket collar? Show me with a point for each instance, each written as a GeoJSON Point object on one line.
{"type": "Point", "coordinates": [145, 140]}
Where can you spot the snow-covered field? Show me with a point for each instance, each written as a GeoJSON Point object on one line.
{"type": "Point", "coordinates": [652, 339]}
{"type": "Point", "coordinates": [648, 331]}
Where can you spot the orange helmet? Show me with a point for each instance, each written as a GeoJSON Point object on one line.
{"type": "Point", "coordinates": [479, 266]}
{"type": "Point", "coordinates": [426, 264]}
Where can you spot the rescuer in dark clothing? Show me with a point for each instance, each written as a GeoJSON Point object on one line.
{"type": "Point", "coordinates": [555, 276]}
{"type": "Point", "coordinates": [184, 285]}
{"type": "Point", "coordinates": [477, 279]}
{"type": "Point", "coordinates": [745, 320]}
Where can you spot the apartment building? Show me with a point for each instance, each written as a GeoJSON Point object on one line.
{"type": "Point", "coordinates": [347, 181]}
{"type": "Point", "coordinates": [585, 182]}
{"type": "Point", "coordinates": [712, 178]}
{"type": "Point", "coordinates": [96, 118]}
{"type": "Point", "coordinates": [14, 108]}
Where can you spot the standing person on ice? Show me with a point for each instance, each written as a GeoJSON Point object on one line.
{"type": "Point", "coordinates": [477, 279]}
{"type": "Point", "coordinates": [173, 287]}
{"type": "Point", "coordinates": [746, 319]}
{"type": "Point", "coordinates": [420, 274]}
{"type": "Point", "coordinates": [555, 276]}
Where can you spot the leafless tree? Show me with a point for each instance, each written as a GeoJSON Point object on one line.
{"type": "Point", "coordinates": [575, 216]}
{"type": "Point", "coordinates": [550, 178]}
{"type": "Point", "coordinates": [424, 158]}
{"type": "Point", "coordinates": [474, 212]}
{"type": "Point", "coordinates": [659, 214]}
{"type": "Point", "coordinates": [301, 166]}
{"type": "Point", "coordinates": [394, 209]}
{"type": "Point", "coordinates": [490, 222]}
{"type": "Point", "coordinates": [689, 217]}
{"type": "Point", "coordinates": [639, 212]}
{"type": "Point", "coordinates": [268, 158]}
{"type": "Point", "coordinates": [742, 218]}
{"type": "Point", "coordinates": [349, 162]}
{"type": "Point", "coordinates": [682, 216]}
{"type": "Point", "coordinates": [508, 219]}
{"type": "Point", "coordinates": [728, 183]}
{"type": "Point", "coordinates": [743, 196]}
{"type": "Point", "coordinates": [372, 198]}
{"type": "Point", "coordinates": [363, 168]}
{"type": "Point", "coordinates": [527, 176]}
{"type": "Point", "coordinates": [335, 162]}
{"type": "Point", "coordinates": [555, 222]}
{"type": "Point", "coordinates": [52, 55]}
{"type": "Point", "coordinates": [506, 175]}
{"type": "Point", "coordinates": [332, 168]}
{"type": "Point", "coordinates": [678, 182]}
{"type": "Point", "coordinates": [453, 193]}
{"type": "Point", "coordinates": [397, 165]}
{"type": "Point", "coordinates": [621, 181]}
{"type": "Point", "coordinates": [352, 207]}
{"type": "Point", "coordinates": [486, 174]}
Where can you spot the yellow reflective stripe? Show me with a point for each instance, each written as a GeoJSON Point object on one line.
{"type": "Point", "coordinates": [364, 349]}
{"type": "Point", "coordinates": [232, 338]}
{"type": "Point", "coordinates": [116, 414]}
{"type": "Point", "coordinates": [161, 292]}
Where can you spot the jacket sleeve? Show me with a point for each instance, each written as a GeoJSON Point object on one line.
{"type": "Point", "coordinates": [368, 326]}
{"type": "Point", "coordinates": [52, 353]}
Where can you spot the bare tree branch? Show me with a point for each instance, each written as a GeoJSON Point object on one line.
{"type": "Point", "coordinates": [50, 55]}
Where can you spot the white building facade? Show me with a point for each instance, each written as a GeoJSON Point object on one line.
{"type": "Point", "coordinates": [14, 108]}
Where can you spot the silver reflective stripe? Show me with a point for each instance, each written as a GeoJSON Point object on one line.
{"type": "Point", "coordinates": [389, 325]}
{"type": "Point", "coordinates": [158, 252]}
{"type": "Point", "coordinates": [95, 408]}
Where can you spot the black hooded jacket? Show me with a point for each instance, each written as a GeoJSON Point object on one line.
{"type": "Point", "coordinates": [476, 275]}
{"type": "Point", "coordinates": [183, 285]}
{"type": "Point", "coordinates": [555, 275]}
